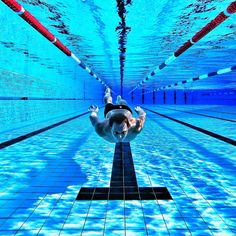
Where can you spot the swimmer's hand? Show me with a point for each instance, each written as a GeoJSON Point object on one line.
{"type": "Point", "coordinates": [140, 119]}
{"type": "Point", "coordinates": [93, 108]}
{"type": "Point", "coordinates": [140, 112]}
{"type": "Point", "coordinates": [138, 109]}
{"type": "Point", "coordinates": [94, 115]}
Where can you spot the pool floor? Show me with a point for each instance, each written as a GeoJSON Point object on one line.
{"type": "Point", "coordinates": [41, 177]}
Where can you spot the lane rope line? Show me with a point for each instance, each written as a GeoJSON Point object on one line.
{"type": "Point", "coordinates": [204, 76]}
{"type": "Point", "coordinates": [221, 17]}
{"type": "Point", "coordinates": [30, 19]}
{"type": "Point", "coordinates": [204, 131]}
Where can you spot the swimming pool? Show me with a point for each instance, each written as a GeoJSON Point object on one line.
{"type": "Point", "coordinates": [42, 175]}
{"type": "Point", "coordinates": [173, 58]}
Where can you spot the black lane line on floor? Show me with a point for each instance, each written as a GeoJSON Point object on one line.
{"type": "Point", "coordinates": [123, 184]}
{"type": "Point", "coordinates": [230, 113]}
{"type": "Point", "coordinates": [29, 135]}
{"type": "Point", "coordinates": [194, 113]}
{"type": "Point", "coordinates": [214, 135]}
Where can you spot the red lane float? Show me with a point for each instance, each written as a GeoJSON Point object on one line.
{"type": "Point", "coordinates": [183, 48]}
{"type": "Point", "coordinates": [30, 19]}
{"type": "Point", "coordinates": [15, 6]}
{"type": "Point", "coordinates": [232, 8]}
{"type": "Point", "coordinates": [37, 25]}
{"type": "Point", "coordinates": [200, 34]}
{"type": "Point", "coordinates": [208, 28]}
{"type": "Point", "coordinates": [62, 47]}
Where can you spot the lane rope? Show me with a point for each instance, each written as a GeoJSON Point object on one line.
{"type": "Point", "coordinates": [221, 17]}
{"type": "Point", "coordinates": [203, 76]}
{"type": "Point", "coordinates": [30, 19]}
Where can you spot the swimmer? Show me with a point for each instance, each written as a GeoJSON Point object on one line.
{"type": "Point", "coordinates": [118, 125]}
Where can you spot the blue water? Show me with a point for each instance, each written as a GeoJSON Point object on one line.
{"type": "Point", "coordinates": [42, 176]}
{"type": "Point", "coordinates": [155, 29]}
{"type": "Point", "coordinates": [122, 42]}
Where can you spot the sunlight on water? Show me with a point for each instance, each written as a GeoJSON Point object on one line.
{"type": "Point", "coordinates": [42, 176]}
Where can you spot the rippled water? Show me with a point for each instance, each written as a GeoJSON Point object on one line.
{"type": "Point", "coordinates": [122, 41]}
{"type": "Point", "coordinates": [42, 176]}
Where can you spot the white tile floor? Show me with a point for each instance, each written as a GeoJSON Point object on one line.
{"type": "Point", "coordinates": [42, 176]}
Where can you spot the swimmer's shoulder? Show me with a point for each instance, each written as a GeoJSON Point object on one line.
{"type": "Point", "coordinates": [102, 127]}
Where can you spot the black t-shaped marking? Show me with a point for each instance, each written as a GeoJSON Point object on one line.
{"type": "Point", "coordinates": [123, 185]}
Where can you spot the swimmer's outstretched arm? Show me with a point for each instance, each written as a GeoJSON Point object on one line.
{"type": "Point", "coordinates": [140, 119]}
{"type": "Point", "coordinates": [98, 125]}
{"type": "Point", "coordinates": [94, 115]}
{"type": "Point", "coordinates": [140, 112]}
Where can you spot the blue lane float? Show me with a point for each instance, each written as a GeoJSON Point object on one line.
{"type": "Point", "coordinates": [220, 18]}
{"type": "Point", "coordinates": [204, 76]}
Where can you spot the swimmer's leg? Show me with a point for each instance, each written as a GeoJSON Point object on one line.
{"type": "Point", "coordinates": [121, 101]}
{"type": "Point", "coordinates": [107, 96]}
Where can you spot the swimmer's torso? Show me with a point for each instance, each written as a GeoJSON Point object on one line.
{"type": "Point", "coordinates": [105, 130]}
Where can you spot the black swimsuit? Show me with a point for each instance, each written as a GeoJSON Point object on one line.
{"type": "Point", "coordinates": [110, 107]}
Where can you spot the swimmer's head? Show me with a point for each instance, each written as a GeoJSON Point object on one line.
{"type": "Point", "coordinates": [119, 131]}
{"type": "Point", "coordinates": [119, 127]}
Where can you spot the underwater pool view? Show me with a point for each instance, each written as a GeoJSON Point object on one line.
{"type": "Point", "coordinates": [41, 177]}
{"type": "Point", "coordinates": [174, 58]}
